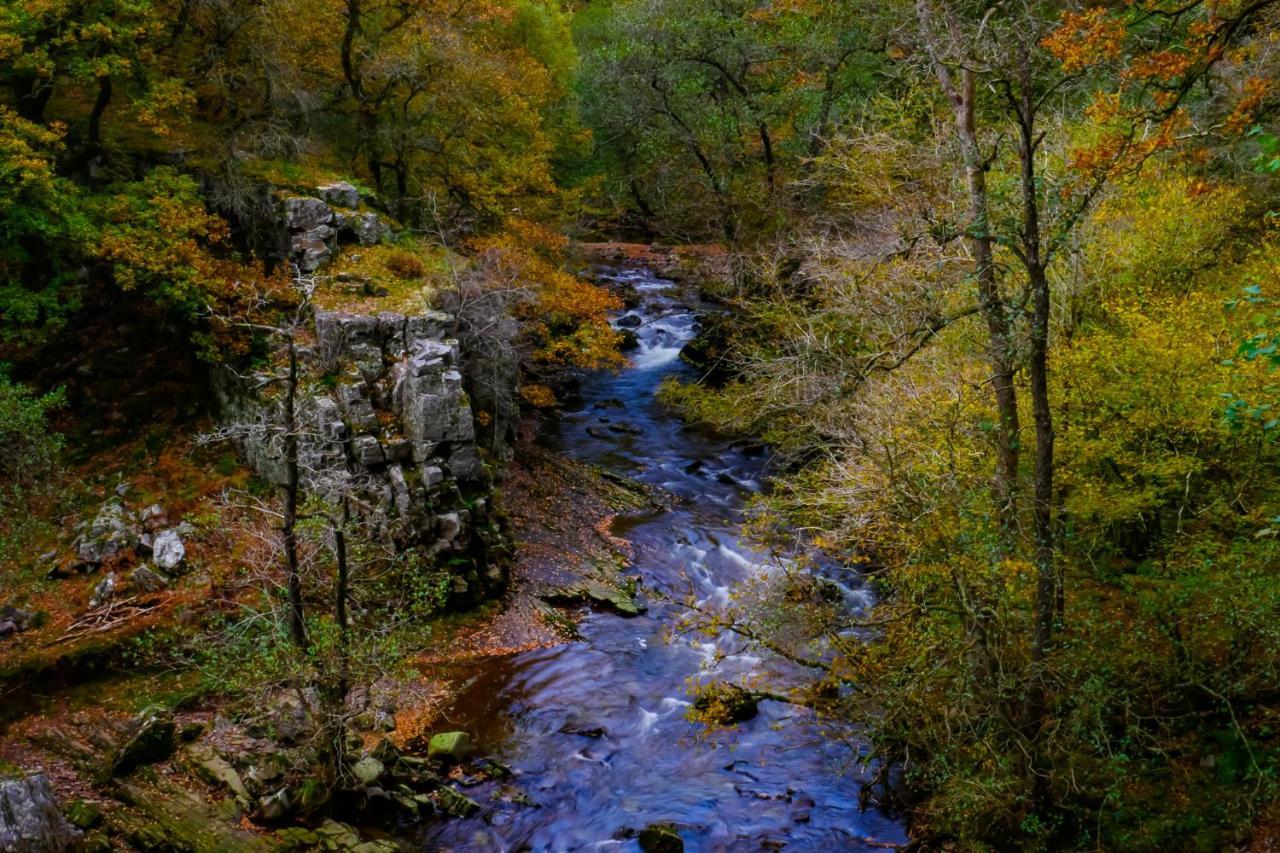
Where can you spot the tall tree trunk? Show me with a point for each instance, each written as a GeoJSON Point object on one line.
{"type": "Point", "coordinates": [963, 97]}
{"type": "Point", "coordinates": [95, 117]}
{"type": "Point", "coordinates": [1038, 283]}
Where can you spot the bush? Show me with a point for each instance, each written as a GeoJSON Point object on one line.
{"type": "Point", "coordinates": [28, 448]}
{"type": "Point", "coordinates": [406, 266]}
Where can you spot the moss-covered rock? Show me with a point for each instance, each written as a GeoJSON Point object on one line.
{"type": "Point", "coordinates": [455, 803]}
{"type": "Point", "coordinates": [450, 747]}
{"type": "Point", "coordinates": [151, 739]}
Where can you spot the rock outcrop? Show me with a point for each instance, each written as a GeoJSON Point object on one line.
{"type": "Point", "coordinates": [29, 818]}
{"type": "Point", "coordinates": [381, 407]}
{"type": "Point", "coordinates": [316, 224]}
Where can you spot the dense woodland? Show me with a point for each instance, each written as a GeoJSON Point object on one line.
{"type": "Point", "coordinates": [1001, 290]}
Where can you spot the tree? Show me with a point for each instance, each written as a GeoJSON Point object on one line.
{"type": "Point", "coordinates": [726, 97]}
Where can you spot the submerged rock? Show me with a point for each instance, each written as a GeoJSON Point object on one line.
{"type": "Point", "coordinates": [29, 818]}
{"type": "Point", "coordinates": [661, 838]}
{"type": "Point", "coordinates": [456, 804]}
{"type": "Point", "coordinates": [596, 592]}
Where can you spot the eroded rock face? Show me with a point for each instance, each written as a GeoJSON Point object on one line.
{"type": "Point", "coordinates": [383, 401]}
{"type": "Point", "coordinates": [30, 821]}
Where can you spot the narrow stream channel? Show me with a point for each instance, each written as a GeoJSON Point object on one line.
{"type": "Point", "coordinates": [595, 731]}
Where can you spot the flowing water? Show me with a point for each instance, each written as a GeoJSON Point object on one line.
{"type": "Point", "coordinates": [595, 731]}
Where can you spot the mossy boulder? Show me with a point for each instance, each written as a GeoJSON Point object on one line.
{"type": "Point", "coordinates": [83, 814]}
{"type": "Point", "coordinates": [450, 747]}
{"type": "Point", "coordinates": [151, 739]}
{"type": "Point", "coordinates": [367, 770]}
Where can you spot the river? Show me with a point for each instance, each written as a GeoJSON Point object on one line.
{"type": "Point", "coordinates": [595, 731]}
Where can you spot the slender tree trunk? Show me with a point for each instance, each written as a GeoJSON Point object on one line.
{"type": "Point", "coordinates": [963, 97]}
{"type": "Point", "coordinates": [994, 311]}
{"type": "Point", "coordinates": [1038, 368]}
{"type": "Point", "coordinates": [366, 119]}
{"type": "Point", "coordinates": [340, 602]}
{"type": "Point", "coordinates": [99, 108]}
{"type": "Point", "coordinates": [297, 623]}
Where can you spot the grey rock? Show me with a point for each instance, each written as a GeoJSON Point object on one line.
{"type": "Point", "coordinates": [400, 451]}
{"type": "Point", "coordinates": [103, 591]}
{"type": "Point", "coordinates": [432, 476]}
{"type": "Point", "coordinates": [341, 194]}
{"type": "Point", "coordinates": [20, 618]}
{"type": "Point", "coordinates": [153, 517]}
{"type": "Point", "coordinates": [216, 770]}
{"type": "Point", "coordinates": [8, 628]}
{"type": "Point", "coordinates": [29, 818]}
{"type": "Point", "coordinates": [465, 464]}
{"type": "Point", "coordinates": [113, 530]}
{"type": "Point", "coordinates": [368, 452]}
{"type": "Point", "coordinates": [428, 326]}
{"type": "Point", "coordinates": [368, 229]}
{"type": "Point", "coordinates": [303, 214]}
{"type": "Point", "coordinates": [309, 253]}
{"type": "Point", "coordinates": [368, 770]}
{"type": "Point", "coordinates": [148, 579]}
{"type": "Point", "coordinates": [450, 526]}
{"type": "Point", "coordinates": [400, 488]}
{"type": "Point", "coordinates": [168, 550]}
{"type": "Point", "coordinates": [275, 806]}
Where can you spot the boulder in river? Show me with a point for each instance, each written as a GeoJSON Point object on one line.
{"type": "Point", "coordinates": [455, 803]}
{"type": "Point", "coordinates": [450, 747]}
{"type": "Point", "coordinates": [725, 704]}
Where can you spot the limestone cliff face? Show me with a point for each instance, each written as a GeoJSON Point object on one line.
{"type": "Point", "coordinates": [382, 407]}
